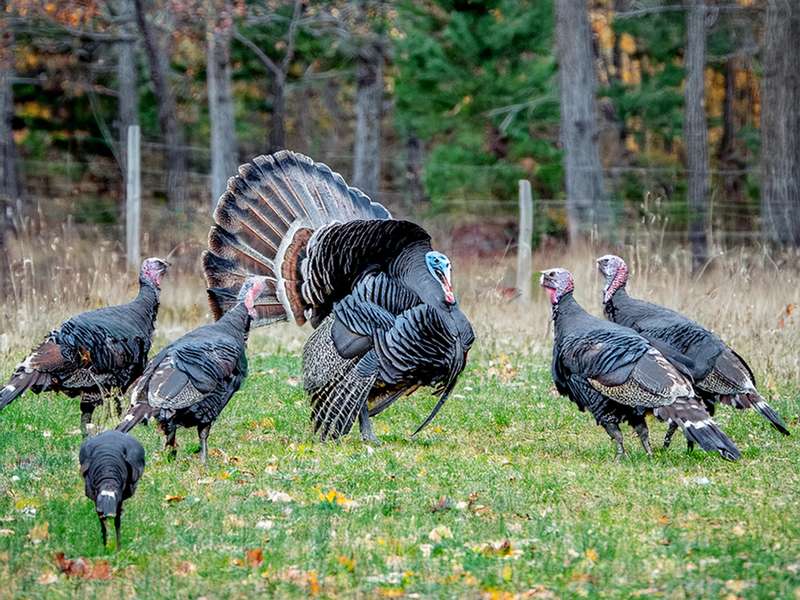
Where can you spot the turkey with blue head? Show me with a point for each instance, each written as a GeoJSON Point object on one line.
{"type": "Point", "coordinates": [96, 353]}
{"type": "Point", "coordinates": [618, 376]}
{"type": "Point", "coordinates": [719, 374]}
{"type": "Point", "coordinates": [380, 299]}
{"type": "Point", "coordinates": [191, 381]}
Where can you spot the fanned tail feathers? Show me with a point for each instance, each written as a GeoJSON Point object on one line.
{"type": "Point", "coordinates": [264, 222]}
{"type": "Point", "coordinates": [698, 427]}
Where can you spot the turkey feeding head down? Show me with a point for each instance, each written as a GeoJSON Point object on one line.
{"type": "Point", "coordinates": [439, 267]}
{"type": "Point", "coordinates": [615, 272]}
{"type": "Point", "coordinates": [251, 289]}
{"type": "Point", "coordinates": [557, 282]}
{"type": "Point", "coordinates": [153, 269]}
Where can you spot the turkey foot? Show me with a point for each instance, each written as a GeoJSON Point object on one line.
{"type": "Point", "coordinates": [367, 435]}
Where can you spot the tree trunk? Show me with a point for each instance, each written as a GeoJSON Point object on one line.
{"type": "Point", "coordinates": [587, 204]}
{"type": "Point", "coordinates": [167, 111]}
{"type": "Point", "coordinates": [369, 101]}
{"type": "Point", "coordinates": [224, 153]}
{"type": "Point", "coordinates": [9, 177]}
{"type": "Point", "coordinates": [277, 131]}
{"type": "Point", "coordinates": [780, 124]}
{"type": "Point", "coordinates": [127, 82]}
{"type": "Point", "coordinates": [414, 166]}
{"type": "Point", "coordinates": [695, 131]}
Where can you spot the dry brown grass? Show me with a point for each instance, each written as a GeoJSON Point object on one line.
{"type": "Point", "coordinates": [747, 295]}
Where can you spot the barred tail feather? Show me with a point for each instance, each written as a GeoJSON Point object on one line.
{"type": "Point", "coordinates": [698, 427]}
{"type": "Point", "coordinates": [766, 411]}
{"type": "Point", "coordinates": [137, 414]}
{"type": "Point", "coordinates": [20, 383]}
{"type": "Point", "coordinates": [264, 221]}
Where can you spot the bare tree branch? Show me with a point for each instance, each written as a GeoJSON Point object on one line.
{"type": "Point", "coordinates": [260, 54]}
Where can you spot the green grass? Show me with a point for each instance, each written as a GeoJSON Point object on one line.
{"type": "Point", "coordinates": [514, 461]}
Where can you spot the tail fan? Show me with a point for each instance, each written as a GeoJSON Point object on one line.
{"type": "Point", "coordinates": [264, 222]}
{"type": "Point", "coordinates": [138, 413]}
{"type": "Point", "coordinates": [755, 401]}
{"type": "Point", "coordinates": [20, 383]}
{"type": "Point", "coordinates": [698, 427]}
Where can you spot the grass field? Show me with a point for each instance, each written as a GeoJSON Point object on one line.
{"type": "Point", "coordinates": [510, 491]}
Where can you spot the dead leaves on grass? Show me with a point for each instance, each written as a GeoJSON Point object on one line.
{"type": "Point", "coordinates": [82, 568]}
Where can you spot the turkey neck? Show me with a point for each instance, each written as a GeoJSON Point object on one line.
{"type": "Point", "coordinates": [146, 302]}
{"type": "Point", "coordinates": [567, 315]}
{"type": "Point", "coordinates": [623, 309]}
{"type": "Point", "coordinates": [237, 321]}
{"type": "Point", "coordinates": [411, 270]}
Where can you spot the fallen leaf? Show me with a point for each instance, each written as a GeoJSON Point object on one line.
{"type": "Point", "coordinates": [738, 530]}
{"type": "Point", "coordinates": [440, 532]}
{"type": "Point", "coordinates": [442, 504]}
{"type": "Point", "coordinates": [6, 532]}
{"type": "Point", "coordinates": [186, 568]}
{"type": "Point", "coordinates": [273, 496]}
{"type": "Point", "coordinates": [265, 524]}
{"type": "Point", "coordinates": [39, 533]}
{"type": "Point", "coordinates": [592, 555]}
{"type": "Point", "coordinates": [664, 520]}
{"type": "Point", "coordinates": [507, 573]}
{"type": "Point", "coordinates": [347, 562]}
{"type": "Point", "coordinates": [313, 583]}
{"type": "Point", "coordinates": [80, 567]}
{"type": "Point", "coordinates": [233, 521]}
{"type": "Point", "coordinates": [336, 498]}
{"type": "Point", "coordinates": [254, 557]}
{"type": "Point", "coordinates": [391, 592]}
{"type": "Point", "coordinates": [173, 499]}
{"type": "Point", "coordinates": [47, 578]}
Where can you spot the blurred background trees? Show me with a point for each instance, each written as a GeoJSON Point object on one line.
{"type": "Point", "coordinates": [679, 113]}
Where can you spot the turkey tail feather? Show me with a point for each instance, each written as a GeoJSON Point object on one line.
{"type": "Point", "coordinates": [20, 383]}
{"type": "Point", "coordinates": [265, 220]}
{"type": "Point", "coordinates": [698, 427]}
{"type": "Point", "coordinates": [769, 413]}
{"type": "Point", "coordinates": [137, 414]}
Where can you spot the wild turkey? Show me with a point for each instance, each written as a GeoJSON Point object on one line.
{"type": "Point", "coordinates": [111, 465]}
{"type": "Point", "coordinates": [617, 375]}
{"type": "Point", "coordinates": [380, 299]}
{"type": "Point", "coordinates": [718, 372]}
{"type": "Point", "coordinates": [95, 352]}
{"type": "Point", "coordinates": [190, 382]}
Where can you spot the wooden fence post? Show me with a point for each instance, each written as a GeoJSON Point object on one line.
{"type": "Point", "coordinates": [524, 250]}
{"type": "Point", "coordinates": [133, 198]}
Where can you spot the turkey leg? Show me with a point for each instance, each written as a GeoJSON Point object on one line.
{"type": "Point", "coordinates": [670, 432]}
{"type": "Point", "coordinates": [202, 433]}
{"type": "Point", "coordinates": [367, 435]}
{"type": "Point", "coordinates": [103, 531]}
{"type": "Point", "coordinates": [616, 435]}
{"type": "Point", "coordinates": [88, 403]}
{"type": "Point", "coordinates": [644, 435]}
{"type": "Point", "coordinates": [117, 522]}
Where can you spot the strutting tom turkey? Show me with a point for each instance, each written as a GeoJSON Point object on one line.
{"type": "Point", "coordinates": [379, 298]}
{"type": "Point", "coordinates": [618, 376]}
{"type": "Point", "coordinates": [718, 372]}
{"type": "Point", "coordinates": [96, 352]}
{"type": "Point", "coordinates": [190, 382]}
